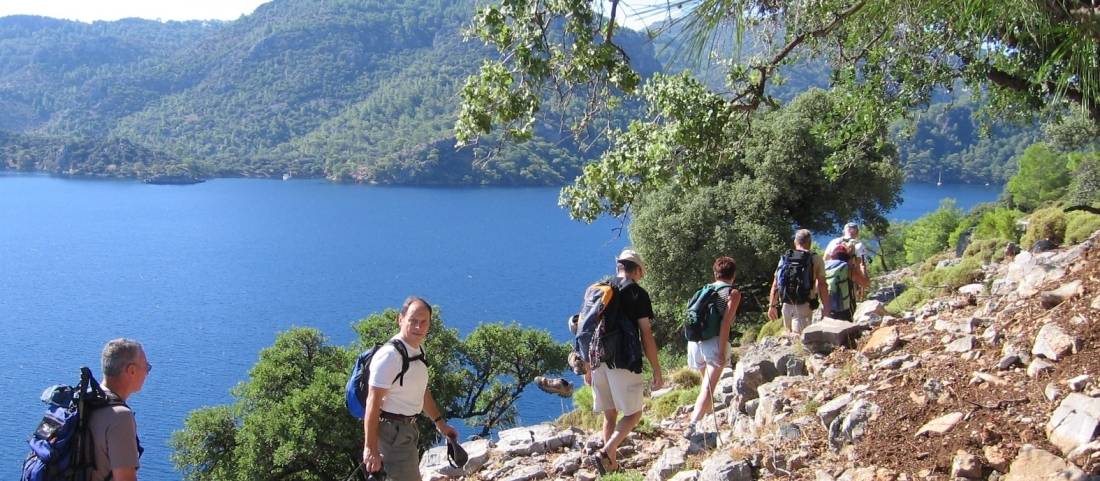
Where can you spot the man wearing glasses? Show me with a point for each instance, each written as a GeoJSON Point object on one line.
{"type": "Point", "coordinates": [113, 428]}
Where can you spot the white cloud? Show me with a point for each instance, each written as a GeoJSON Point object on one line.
{"type": "Point", "coordinates": [91, 10]}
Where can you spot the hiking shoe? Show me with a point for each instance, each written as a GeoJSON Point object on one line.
{"type": "Point", "coordinates": [555, 385]}
{"type": "Point", "coordinates": [603, 463]}
{"type": "Point", "coordinates": [690, 432]}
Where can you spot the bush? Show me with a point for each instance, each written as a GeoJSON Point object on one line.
{"type": "Point", "coordinates": [1084, 189]}
{"type": "Point", "coordinates": [665, 406]}
{"type": "Point", "coordinates": [771, 329]}
{"type": "Point", "coordinates": [986, 250]}
{"type": "Point", "coordinates": [623, 476]}
{"type": "Point", "coordinates": [909, 300]}
{"type": "Point", "coordinates": [1049, 223]}
{"type": "Point", "coordinates": [951, 278]}
{"type": "Point", "coordinates": [1080, 225]}
{"type": "Point", "coordinates": [928, 235]}
{"type": "Point", "coordinates": [999, 223]}
{"type": "Point", "coordinates": [582, 415]}
{"type": "Point", "coordinates": [1042, 176]}
{"type": "Point", "coordinates": [684, 378]}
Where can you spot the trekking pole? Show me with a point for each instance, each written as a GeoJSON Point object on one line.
{"type": "Point", "coordinates": [355, 470]}
{"type": "Point", "coordinates": [717, 432]}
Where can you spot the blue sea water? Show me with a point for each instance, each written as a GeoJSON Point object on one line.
{"type": "Point", "coordinates": [206, 275]}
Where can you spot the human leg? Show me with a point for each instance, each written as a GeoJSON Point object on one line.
{"type": "Point", "coordinates": [400, 455]}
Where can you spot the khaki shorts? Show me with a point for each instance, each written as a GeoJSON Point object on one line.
{"type": "Point", "coordinates": [618, 389]}
{"type": "Point", "coordinates": [797, 317]}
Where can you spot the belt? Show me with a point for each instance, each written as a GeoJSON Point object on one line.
{"type": "Point", "coordinates": [397, 418]}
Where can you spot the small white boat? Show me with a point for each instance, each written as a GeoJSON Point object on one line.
{"type": "Point", "coordinates": [287, 176]}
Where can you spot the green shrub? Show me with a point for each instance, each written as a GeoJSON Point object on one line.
{"type": "Point", "coordinates": [582, 415]}
{"type": "Point", "coordinates": [684, 377]}
{"type": "Point", "coordinates": [622, 475]}
{"type": "Point", "coordinates": [771, 329]}
{"type": "Point", "coordinates": [928, 235]}
{"type": "Point", "coordinates": [1049, 223]}
{"type": "Point", "coordinates": [582, 398]}
{"type": "Point", "coordinates": [951, 278]}
{"type": "Point", "coordinates": [1080, 225]}
{"type": "Point", "coordinates": [987, 250]}
{"type": "Point", "coordinates": [929, 264]}
{"type": "Point", "coordinates": [665, 406]}
{"type": "Point", "coordinates": [912, 298]}
{"type": "Point", "coordinates": [998, 224]}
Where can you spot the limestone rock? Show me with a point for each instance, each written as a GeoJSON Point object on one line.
{"type": "Point", "coordinates": [1074, 423]}
{"type": "Point", "coordinates": [996, 457]}
{"type": "Point", "coordinates": [962, 344]}
{"type": "Point", "coordinates": [893, 362]}
{"type": "Point", "coordinates": [830, 410]}
{"type": "Point", "coordinates": [1008, 362]}
{"type": "Point", "coordinates": [671, 461]}
{"type": "Point", "coordinates": [434, 461]}
{"type": "Point", "coordinates": [527, 473]}
{"type": "Point", "coordinates": [869, 312]}
{"type": "Point", "coordinates": [967, 326]}
{"type": "Point", "coordinates": [1039, 366]}
{"type": "Point", "coordinates": [689, 475]}
{"type": "Point", "coordinates": [1034, 464]}
{"type": "Point", "coordinates": [1050, 299]}
{"type": "Point", "coordinates": [1053, 343]}
{"type": "Point", "coordinates": [883, 340]}
{"type": "Point", "coordinates": [1095, 304]}
{"type": "Point", "coordinates": [829, 334]}
{"type": "Point", "coordinates": [966, 465]}
{"type": "Point", "coordinates": [858, 474]}
{"type": "Point", "coordinates": [722, 467]}
{"type": "Point", "coordinates": [1051, 392]}
{"type": "Point", "coordinates": [568, 463]}
{"type": "Point", "coordinates": [972, 289]}
{"type": "Point", "coordinates": [850, 426]}
{"type": "Point", "coordinates": [525, 441]}
{"type": "Point", "coordinates": [941, 424]}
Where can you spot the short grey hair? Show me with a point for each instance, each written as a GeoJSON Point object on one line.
{"type": "Point", "coordinates": [803, 238]}
{"type": "Point", "coordinates": [117, 354]}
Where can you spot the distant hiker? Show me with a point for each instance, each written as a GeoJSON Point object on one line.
{"type": "Point", "coordinates": [113, 428]}
{"type": "Point", "coordinates": [389, 423]}
{"type": "Point", "coordinates": [842, 281]}
{"type": "Point", "coordinates": [855, 248]}
{"type": "Point", "coordinates": [710, 315]}
{"type": "Point", "coordinates": [798, 286]}
{"type": "Point", "coordinates": [614, 332]}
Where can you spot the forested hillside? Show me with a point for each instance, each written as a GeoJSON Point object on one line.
{"type": "Point", "coordinates": [355, 91]}
{"type": "Point", "coordinates": [362, 91]}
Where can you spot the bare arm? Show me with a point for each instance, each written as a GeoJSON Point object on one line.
{"type": "Point", "coordinates": [372, 456]}
{"type": "Point", "coordinates": [727, 323]}
{"type": "Point", "coordinates": [433, 412]}
{"type": "Point", "coordinates": [773, 298]}
{"type": "Point", "coordinates": [858, 274]}
{"type": "Point", "coordinates": [650, 346]}
{"type": "Point", "coordinates": [822, 288]}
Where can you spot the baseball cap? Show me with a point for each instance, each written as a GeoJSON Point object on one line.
{"type": "Point", "coordinates": [851, 225]}
{"type": "Point", "coordinates": [632, 256]}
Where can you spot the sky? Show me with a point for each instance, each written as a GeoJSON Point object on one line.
{"type": "Point", "coordinates": [633, 13]}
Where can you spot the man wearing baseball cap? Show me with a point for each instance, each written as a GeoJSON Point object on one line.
{"type": "Point", "coordinates": [855, 249]}
{"type": "Point", "coordinates": [620, 389]}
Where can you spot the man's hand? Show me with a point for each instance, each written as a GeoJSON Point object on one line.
{"type": "Point", "coordinates": [446, 429]}
{"type": "Point", "coordinates": [588, 377]}
{"type": "Point", "coordinates": [372, 460]}
{"type": "Point", "coordinates": [773, 314]}
{"type": "Point", "coordinates": [658, 382]}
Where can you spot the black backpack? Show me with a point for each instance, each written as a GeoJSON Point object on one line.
{"type": "Point", "coordinates": [796, 276]}
{"type": "Point", "coordinates": [602, 332]}
{"type": "Point", "coordinates": [62, 447]}
{"type": "Point", "coordinates": [355, 392]}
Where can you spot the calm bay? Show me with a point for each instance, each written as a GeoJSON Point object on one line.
{"type": "Point", "coordinates": [206, 275]}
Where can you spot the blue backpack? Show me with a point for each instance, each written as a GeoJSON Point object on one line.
{"type": "Point", "coordinates": [355, 392]}
{"type": "Point", "coordinates": [795, 276]}
{"type": "Point", "coordinates": [61, 446]}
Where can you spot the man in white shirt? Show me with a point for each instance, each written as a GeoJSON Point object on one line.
{"type": "Point", "coordinates": [394, 400]}
{"type": "Point", "coordinates": [856, 250]}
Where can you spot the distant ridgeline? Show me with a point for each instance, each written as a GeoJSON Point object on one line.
{"type": "Point", "coordinates": [353, 91]}
{"type": "Point", "coordinates": [358, 91]}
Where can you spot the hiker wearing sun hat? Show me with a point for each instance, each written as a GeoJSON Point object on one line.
{"type": "Point", "coordinates": [856, 251]}
{"type": "Point", "coordinates": [618, 388]}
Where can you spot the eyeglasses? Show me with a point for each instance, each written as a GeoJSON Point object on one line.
{"type": "Point", "coordinates": [148, 367]}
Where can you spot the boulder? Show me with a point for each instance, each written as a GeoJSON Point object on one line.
{"type": "Point", "coordinates": [525, 441]}
{"type": "Point", "coordinates": [1008, 362]}
{"type": "Point", "coordinates": [869, 312]}
{"type": "Point", "coordinates": [1003, 287]}
{"type": "Point", "coordinates": [966, 466]}
{"type": "Point", "coordinates": [773, 399]}
{"type": "Point", "coordinates": [689, 475]}
{"type": "Point", "coordinates": [1014, 348]}
{"type": "Point", "coordinates": [1095, 304]}
{"type": "Point", "coordinates": [883, 340]}
{"type": "Point", "coordinates": [1034, 464]}
{"type": "Point", "coordinates": [829, 334]}
{"type": "Point", "coordinates": [949, 262]}
{"type": "Point", "coordinates": [1074, 423]}
{"type": "Point", "coordinates": [996, 457]}
{"type": "Point", "coordinates": [1077, 384]}
{"type": "Point", "coordinates": [1053, 343]}
{"type": "Point", "coordinates": [962, 326]}
{"type": "Point", "coordinates": [893, 362]}
{"type": "Point", "coordinates": [722, 467]}
{"type": "Point", "coordinates": [972, 289]}
{"type": "Point", "coordinates": [850, 426]}
{"type": "Point", "coordinates": [671, 461]}
{"type": "Point", "coordinates": [524, 473]}
{"type": "Point", "coordinates": [1051, 392]}
{"type": "Point", "coordinates": [434, 461]}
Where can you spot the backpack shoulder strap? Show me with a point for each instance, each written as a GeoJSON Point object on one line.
{"type": "Point", "coordinates": [406, 361]}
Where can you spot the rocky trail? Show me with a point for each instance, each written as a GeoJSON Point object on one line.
{"type": "Point", "coordinates": [998, 382]}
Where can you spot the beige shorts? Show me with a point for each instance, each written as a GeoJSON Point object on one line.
{"type": "Point", "coordinates": [797, 317]}
{"type": "Point", "coordinates": [618, 389]}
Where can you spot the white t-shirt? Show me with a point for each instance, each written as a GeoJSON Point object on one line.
{"type": "Point", "coordinates": [406, 399]}
{"type": "Point", "coordinates": [860, 250]}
